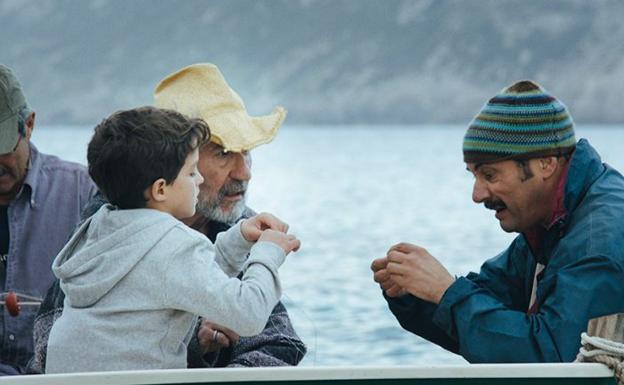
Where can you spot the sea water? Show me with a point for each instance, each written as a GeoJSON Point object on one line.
{"type": "Point", "coordinates": [349, 193]}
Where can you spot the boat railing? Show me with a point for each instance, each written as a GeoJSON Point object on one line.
{"type": "Point", "coordinates": [508, 374]}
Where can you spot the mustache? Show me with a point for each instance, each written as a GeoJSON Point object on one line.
{"type": "Point", "coordinates": [233, 187]}
{"type": "Point", "coordinates": [494, 204]}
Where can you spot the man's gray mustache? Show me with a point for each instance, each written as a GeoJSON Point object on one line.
{"type": "Point", "coordinates": [233, 188]}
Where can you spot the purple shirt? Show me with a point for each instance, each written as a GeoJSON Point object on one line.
{"type": "Point", "coordinates": [41, 218]}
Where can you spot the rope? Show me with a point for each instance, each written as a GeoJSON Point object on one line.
{"type": "Point", "coordinates": [610, 353]}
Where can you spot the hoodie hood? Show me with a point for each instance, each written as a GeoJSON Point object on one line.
{"type": "Point", "coordinates": [105, 248]}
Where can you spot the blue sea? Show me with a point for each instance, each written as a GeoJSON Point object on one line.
{"type": "Point", "coordinates": [349, 193]}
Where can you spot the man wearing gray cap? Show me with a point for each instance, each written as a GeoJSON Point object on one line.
{"type": "Point", "coordinates": [41, 197]}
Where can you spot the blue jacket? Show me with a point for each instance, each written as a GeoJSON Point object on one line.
{"type": "Point", "coordinates": [484, 317]}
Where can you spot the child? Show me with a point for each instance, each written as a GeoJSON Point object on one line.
{"type": "Point", "coordinates": [135, 278]}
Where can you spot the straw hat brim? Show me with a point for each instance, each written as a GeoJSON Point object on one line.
{"type": "Point", "coordinates": [201, 91]}
{"type": "Point", "coordinates": [250, 133]}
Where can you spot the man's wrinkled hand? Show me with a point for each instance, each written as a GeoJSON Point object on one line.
{"type": "Point", "coordinates": [382, 277]}
{"type": "Point", "coordinates": [213, 337]}
{"type": "Point", "coordinates": [413, 269]}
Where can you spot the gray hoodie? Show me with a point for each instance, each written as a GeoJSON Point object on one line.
{"type": "Point", "coordinates": [135, 281]}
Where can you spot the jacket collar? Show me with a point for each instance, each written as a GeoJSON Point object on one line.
{"type": "Point", "coordinates": [584, 168]}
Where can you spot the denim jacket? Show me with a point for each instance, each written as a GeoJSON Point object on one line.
{"type": "Point", "coordinates": [41, 218]}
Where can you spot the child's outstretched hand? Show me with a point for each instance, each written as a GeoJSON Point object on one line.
{"type": "Point", "coordinates": [252, 228]}
{"type": "Point", "coordinates": [287, 242]}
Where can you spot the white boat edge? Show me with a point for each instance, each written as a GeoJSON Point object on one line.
{"type": "Point", "coordinates": [182, 376]}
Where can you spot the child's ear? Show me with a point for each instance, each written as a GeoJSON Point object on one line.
{"type": "Point", "coordinates": [158, 190]}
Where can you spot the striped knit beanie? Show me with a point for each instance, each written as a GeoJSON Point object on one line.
{"type": "Point", "coordinates": [521, 122]}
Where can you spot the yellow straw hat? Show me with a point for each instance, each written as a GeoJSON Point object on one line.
{"type": "Point", "coordinates": [200, 91]}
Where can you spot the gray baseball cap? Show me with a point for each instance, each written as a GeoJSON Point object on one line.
{"type": "Point", "coordinates": [12, 100]}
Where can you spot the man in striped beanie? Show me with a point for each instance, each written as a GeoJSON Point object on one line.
{"type": "Point", "coordinates": [533, 132]}
{"type": "Point", "coordinates": [531, 302]}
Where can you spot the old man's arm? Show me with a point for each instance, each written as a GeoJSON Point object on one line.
{"type": "Point", "coordinates": [277, 345]}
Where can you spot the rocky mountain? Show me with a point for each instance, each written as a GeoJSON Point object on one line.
{"type": "Point", "coordinates": [327, 61]}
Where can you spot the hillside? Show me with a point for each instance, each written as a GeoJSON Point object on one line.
{"type": "Point", "coordinates": [327, 61]}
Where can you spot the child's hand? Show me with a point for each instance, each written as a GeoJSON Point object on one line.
{"type": "Point", "coordinates": [287, 242]}
{"type": "Point", "coordinates": [252, 228]}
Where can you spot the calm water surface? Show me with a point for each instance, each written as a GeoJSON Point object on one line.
{"type": "Point", "coordinates": [349, 193]}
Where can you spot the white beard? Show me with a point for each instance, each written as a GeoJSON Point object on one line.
{"type": "Point", "coordinates": [218, 215]}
